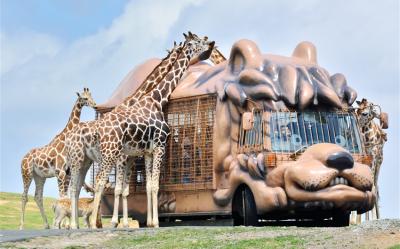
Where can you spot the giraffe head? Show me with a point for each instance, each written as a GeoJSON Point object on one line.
{"type": "Point", "coordinates": [85, 98]}
{"type": "Point", "coordinates": [367, 111]}
{"type": "Point", "coordinates": [198, 48]}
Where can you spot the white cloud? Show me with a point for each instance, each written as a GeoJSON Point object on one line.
{"type": "Point", "coordinates": [101, 59]}
{"type": "Point", "coordinates": [19, 49]}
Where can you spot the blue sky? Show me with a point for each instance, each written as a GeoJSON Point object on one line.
{"type": "Point", "coordinates": [51, 49]}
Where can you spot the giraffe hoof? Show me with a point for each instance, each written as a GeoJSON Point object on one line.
{"type": "Point", "coordinates": [114, 224]}
{"type": "Point", "coordinates": [126, 225]}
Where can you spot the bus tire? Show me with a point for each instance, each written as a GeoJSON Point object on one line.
{"type": "Point", "coordinates": [341, 219]}
{"type": "Point", "coordinates": [244, 210]}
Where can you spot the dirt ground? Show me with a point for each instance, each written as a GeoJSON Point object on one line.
{"type": "Point", "coordinates": [374, 234]}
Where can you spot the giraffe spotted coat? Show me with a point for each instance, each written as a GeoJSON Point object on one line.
{"type": "Point", "coordinates": [374, 139]}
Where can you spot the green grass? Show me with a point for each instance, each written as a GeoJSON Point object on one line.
{"type": "Point", "coordinates": [227, 238]}
{"type": "Point", "coordinates": [10, 212]}
{"type": "Point", "coordinates": [395, 247]}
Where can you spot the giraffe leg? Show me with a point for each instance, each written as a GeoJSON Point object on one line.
{"type": "Point", "coordinates": [56, 223]}
{"type": "Point", "coordinates": [58, 218]}
{"type": "Point", "coordinates": [106, 166]}
{"type": "Point", "coordinates": [117, 193]}
{"type": "Point", "coordinates": [158, 156]}
{"type": "Point", "coordinates": [373, 210]}
{"type": "Point", "coordinates": [74, 194]}
{"type": "Point", "coordinates": [87, 223]}
{"type": "Point", "coordinates": [27, 179]}
{"type": "Point", "coordinates": [62, 184]}
{"type": "Point", "coordinates": [67, 222]}
{"type": "Point", "coordinates": [81, 179]}
{"type": "Point", "coordinates": [78, 174]}
{"type": "Point", "coordinates": [39, 182]}
{"type": "Point", "coordinates": [377, 215]}
{"type": "Point", "coordinates": [358, 219]}
{"type": "Point", "coordinates": [67, 181]}
{"type": "Point", "coordinates": [353, 217]}
{"type": "Point", "coordinates": [149, 164]}
{"type": "Point", "coordinates": [373, 213]}
{"type": "Point", "coordinates": [125, 192]}
{"type": "Point", "coordinates": [99, 224]}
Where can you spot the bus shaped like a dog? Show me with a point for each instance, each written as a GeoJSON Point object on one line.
{"type": "Point", "coordinates": [259, 136]}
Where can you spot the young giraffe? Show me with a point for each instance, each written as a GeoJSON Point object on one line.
{"type": "Point", "coordinates": [124, 169]}
{"type": "Point", "coordinates": [49, 161]}
{"type": "Point", "coordinates": [374, 138]}
{"type": "Point", "coordinates": [137, 130]}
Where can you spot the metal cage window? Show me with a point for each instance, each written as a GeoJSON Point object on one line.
{"type": "Point", "coordinates": [285, 131]}
{"type": "Point", "coordinates": [292, 131]}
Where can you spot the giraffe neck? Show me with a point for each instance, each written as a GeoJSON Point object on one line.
{"type": "Point", "coordinates": [158, 73]}
{"type": "Point", "coordinates": [217, 57]}
{"type": "Point", "coordinates": [367, 129]}
{"type": "Point", "coordinates": [160, 94]}
{"type": "Point", "coordinates": [74, 117]}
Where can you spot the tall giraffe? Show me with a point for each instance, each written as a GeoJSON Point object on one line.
{"type": "Point", "coordinates": [124, 166]}
{"type": "Point", "coordinates": [123, 169]}
{"type": "Point", "coordinates": [49, 160]}
{"type": "Point", "coordinates": [137, 130]}
{"type": "Point", "coordinates": [374, 139]}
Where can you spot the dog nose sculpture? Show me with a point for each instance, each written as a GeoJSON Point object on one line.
{"type": "Point", "coordinates": [340, 160]}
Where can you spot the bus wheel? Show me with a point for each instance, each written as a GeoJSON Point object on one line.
{"type": "Point", "coordinates": [341, 219]}
{"type": "Point", "coordinates": [244, 210]}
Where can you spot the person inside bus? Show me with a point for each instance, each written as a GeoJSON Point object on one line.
{"type": "Point", "coordinates": [187, 148]}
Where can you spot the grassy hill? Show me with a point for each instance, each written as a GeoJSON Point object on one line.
{"type": "Point", "coordinates": [10, 211]}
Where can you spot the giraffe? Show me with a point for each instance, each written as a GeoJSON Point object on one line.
{"type": "Point", "coordinates": [135, 131]}
{"type": "Point", "coordinates": [49, 161]}
{"type": "Point", "coordinates": [124, 168]}
{"type": "Point", "coordinates": [374, 139]}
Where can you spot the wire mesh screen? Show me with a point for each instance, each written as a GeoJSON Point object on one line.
{"type": "Point", "coordinates": [188, 158]}
{"type": "Point", "coordinates": [189, 154]}
{"type": "Point", "coordinates": [286, 131]}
